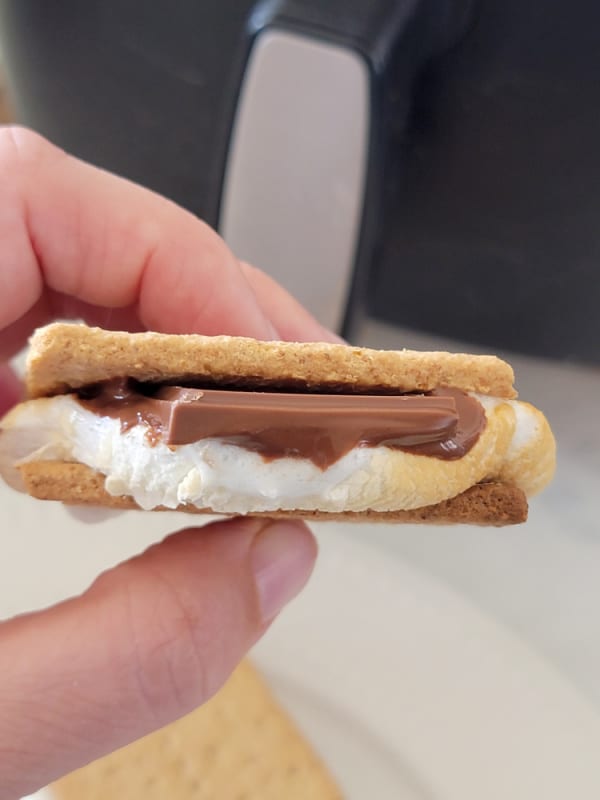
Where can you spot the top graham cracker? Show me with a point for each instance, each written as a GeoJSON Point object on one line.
{"type": "Point", "coordinates": [66, 356]}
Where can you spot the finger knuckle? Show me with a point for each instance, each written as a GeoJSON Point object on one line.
{"type": "Point", "coordinates": [172, 653]}
{"type": "Point", "coordinates": [176, 663]}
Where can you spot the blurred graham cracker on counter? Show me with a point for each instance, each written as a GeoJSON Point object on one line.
{"type": "Point", "coordinates": [241, 744]}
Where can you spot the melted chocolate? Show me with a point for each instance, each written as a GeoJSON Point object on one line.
{"type": "Point", "coordinates": [444, 423]}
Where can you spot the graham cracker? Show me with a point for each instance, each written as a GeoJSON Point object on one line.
{"type": "Point", "coordinates": [241, 744]}
{"type": "Point", "coordinates": [490, 504]}
{"type": "Point", "coordinates": [66, 356]}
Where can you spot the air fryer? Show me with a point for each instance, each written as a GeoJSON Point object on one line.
{"type": "Point", "coordinates": [430, 163]}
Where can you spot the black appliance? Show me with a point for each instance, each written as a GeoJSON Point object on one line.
{"type": "Point", "coordinates": [432, 163]}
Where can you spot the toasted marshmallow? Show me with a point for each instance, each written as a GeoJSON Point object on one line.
{"type": "Point", "coordinates": [230, 479]}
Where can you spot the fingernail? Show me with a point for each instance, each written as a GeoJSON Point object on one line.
{"type": "Point", "coordinates": [283, 556]}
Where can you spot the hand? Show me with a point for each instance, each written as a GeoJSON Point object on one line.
{"type": "Point", "coordinates": [158, 635]}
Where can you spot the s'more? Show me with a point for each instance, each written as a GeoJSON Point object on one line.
{"type": "Point", "coordinates": [230, 425]}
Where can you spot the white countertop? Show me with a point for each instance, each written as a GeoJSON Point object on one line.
{"type": "Point", "coordinates": [541, 578]}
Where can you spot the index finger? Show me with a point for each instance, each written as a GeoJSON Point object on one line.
{"type": "Point", "coordinates": [80, 232]}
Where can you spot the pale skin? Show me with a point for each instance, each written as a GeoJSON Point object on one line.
{"type": "Point", "coordinates": [156, 636]}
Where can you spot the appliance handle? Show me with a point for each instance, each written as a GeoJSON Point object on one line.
{"type": "Point", "coordinates": [303, 175]}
